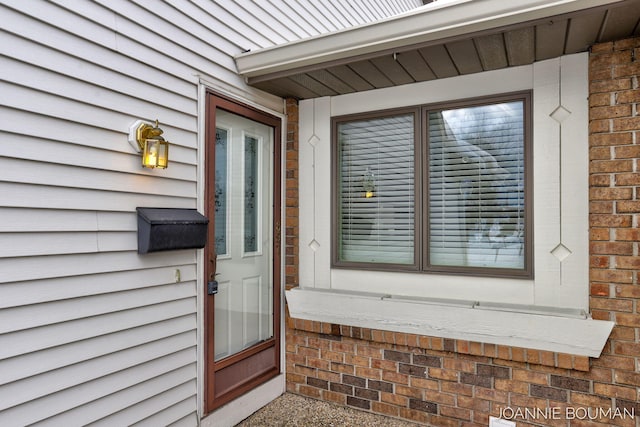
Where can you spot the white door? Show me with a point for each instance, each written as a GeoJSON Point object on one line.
{"type": "Point", "coordinates": [243, 304]}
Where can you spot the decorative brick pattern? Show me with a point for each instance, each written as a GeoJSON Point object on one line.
{"type": "Point", "coordinates": [548, 393]}
{"type": "Point", "coordinates": [457, 383]}
{"type": "Point", "coordinates": [446, 388]}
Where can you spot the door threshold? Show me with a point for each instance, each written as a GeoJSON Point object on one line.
{"type": "Point", "coordinates": [238, 409]}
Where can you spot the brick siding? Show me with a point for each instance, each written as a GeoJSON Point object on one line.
{"type": "Point", "coordinates": [291, 195]}
{"type": "Point", "coordinates": [456, 383]}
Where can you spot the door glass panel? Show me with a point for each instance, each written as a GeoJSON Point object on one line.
{"type": "Point", "coordinates": [221, 191]}
{"type": "Point", "coordinates": [244, 302]}
{"type": "Point", "coordinates": [222, 319]}
{"type": "Point", "coordinates": [251, 183]}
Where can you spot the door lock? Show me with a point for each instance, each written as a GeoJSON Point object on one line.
{"type": "Point", "coordinates": [212, 287]}
{"type": "Point", "coordinates": [212, 284]}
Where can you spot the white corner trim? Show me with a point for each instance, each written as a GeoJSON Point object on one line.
{"type": "Point", "coordinates": [433, 22]}
{"type": "Point", "coordinates": [462, 320]}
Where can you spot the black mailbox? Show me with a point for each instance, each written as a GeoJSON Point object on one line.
{"type": "Point", "coordinates": [165, 229]}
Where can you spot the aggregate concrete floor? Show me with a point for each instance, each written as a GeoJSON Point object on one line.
{"type": "Point", "coordinates": [291, 410]}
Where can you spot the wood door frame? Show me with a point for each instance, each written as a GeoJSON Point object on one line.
{"type": "Point", "coordinates": [213, 101]}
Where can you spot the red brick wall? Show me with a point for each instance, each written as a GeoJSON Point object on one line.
{"type": "Point", "coordinates": [291, 195]}
{"type": "Point", "coordinates": [459, 383]}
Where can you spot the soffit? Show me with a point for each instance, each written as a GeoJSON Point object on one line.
{"type": "Point", "coordinates": [445, 54]}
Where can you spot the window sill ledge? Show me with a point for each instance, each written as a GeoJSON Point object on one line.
{"type": "Point", "coordinates": [561, 331]}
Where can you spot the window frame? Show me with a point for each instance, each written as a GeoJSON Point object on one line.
{"type": "Point", "coordinates": [422, 262]}
{"type": "Point", "coordinates": [335, 189]}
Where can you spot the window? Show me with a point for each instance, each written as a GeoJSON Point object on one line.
{"type": "Point", "coordinates": [377, 200]}
{"type": "Point", "coordinates": [442, 188]}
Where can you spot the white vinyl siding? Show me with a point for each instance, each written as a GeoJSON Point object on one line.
{"type": "Point", "coordinates": [88, 327]}
{"type": "Point", "coordinates": [90, 331]}
{"type": "Point", "coordinates": [284, 21]}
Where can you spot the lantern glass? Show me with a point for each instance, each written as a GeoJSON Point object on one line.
{"type": "Point", "coordinates": [155, 153]}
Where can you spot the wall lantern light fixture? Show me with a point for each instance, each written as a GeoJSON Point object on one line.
{"type": "Point", "coordinates": [147, 139]}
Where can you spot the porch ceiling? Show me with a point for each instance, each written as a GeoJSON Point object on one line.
{"type": "Point", "coordinates": [444, 50]}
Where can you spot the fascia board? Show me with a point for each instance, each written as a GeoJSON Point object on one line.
{"type": "Point", "coordinates": [435, 21]}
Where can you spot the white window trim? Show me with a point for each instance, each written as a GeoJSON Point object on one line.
{"type": "Point", "coordinates": [561, 279]}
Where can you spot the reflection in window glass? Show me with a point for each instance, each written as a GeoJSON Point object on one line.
{"type": "Point", "coordinates": [476, 186]}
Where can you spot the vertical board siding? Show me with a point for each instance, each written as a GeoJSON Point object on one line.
{"type": "Point", "coordinates": [90, 331]}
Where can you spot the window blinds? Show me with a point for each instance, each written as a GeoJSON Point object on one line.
{"type": "Point", "coordinates": [476, 188]}
{"type": "Point", "coordinates": [376, 180]}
